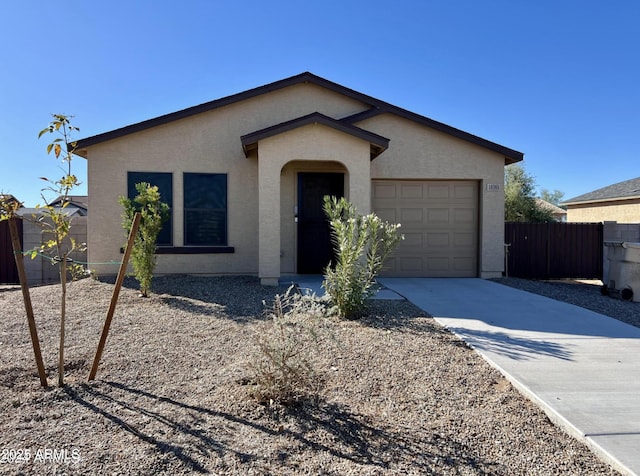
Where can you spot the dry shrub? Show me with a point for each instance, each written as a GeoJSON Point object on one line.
{"type": "Point", "coordinates": [282, 369]}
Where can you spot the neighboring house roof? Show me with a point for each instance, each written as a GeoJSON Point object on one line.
{"type": "Point", "coordinates": [629, 189]}
{"type": "Point", "coordinates": [76, 201]}
{"type": "Point", "coordinates": [8, 198]}
{"type": "Point", "coordinates": [38, 211]}
{"type": "Point", "coordinates": [376, 107]}
{"type": "Point", "coordinates": [550, 206]}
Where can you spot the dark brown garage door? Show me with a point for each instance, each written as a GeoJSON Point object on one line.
{"type": "Point", "coordinates": [439, 221]}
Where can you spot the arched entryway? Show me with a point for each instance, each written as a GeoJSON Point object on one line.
{"type": "Point", "coordinates": [311, 149]}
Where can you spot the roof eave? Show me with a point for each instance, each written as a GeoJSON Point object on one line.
{"type": "Point", "coordinates": [602, 200]}
{"type": "Point", "coordinates": [511, 156]}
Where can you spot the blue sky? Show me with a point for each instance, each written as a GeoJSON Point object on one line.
{"type": "Point", "coordinates": [559, 81]}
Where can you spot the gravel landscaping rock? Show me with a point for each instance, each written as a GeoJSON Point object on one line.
{"type": "Point", "coordinates": [399, 394]}
{"type": "Point", "coordinates": [587, 295]}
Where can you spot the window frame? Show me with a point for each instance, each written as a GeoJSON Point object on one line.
{"type": "Point", "coordinates": [223, 244]}
{"type": "Point", "coordinates": [166, 197]}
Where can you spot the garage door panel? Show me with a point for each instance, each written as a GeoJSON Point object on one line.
{"type": "Point", "coordinates": [464, 264]}
{"type": "Point", "coordinates": [410, 191]}
{"type": "Point", "coordinates": [388, 214]}
{"type": "Point", "coordinates": [411, 215]}
{"type": "Point", "coordinates": [436, 191]}
{"type": "Point", "coordinates": [466, 191]}
{"type": "Point", "coordinates": [438, 240]}
{"type": "Point", "coordinates": [439, 221]}
{"type": "Point", "coordinates": [437, 215]}
{"type": "Point", "coordinates": [438, 265]}
{"type": "Point", "coordinates": [383, 190]}
{"type": "Point", "coordinates": [464, 216]}
{"type": "Point", "coordinates": [464, 240]}
{"type": "Point", "coordinates": [410, 266]}
{"type": "Point", "coordinates": [412, 240]}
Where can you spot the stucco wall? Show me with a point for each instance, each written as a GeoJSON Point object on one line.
{"type": "Point", "coordinates": [627, 211]}
{"type": "Point", "coordinates": [311, 148]}
{"type": "Point", "coordinates": [210, 143]}
{"type": "Point", "coordinates": [416, 151]}
{"type": "Point", "coordinates": [207, 143]}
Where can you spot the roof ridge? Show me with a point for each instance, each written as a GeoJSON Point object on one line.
{"type": "Point", "coordinates": [510, 155]}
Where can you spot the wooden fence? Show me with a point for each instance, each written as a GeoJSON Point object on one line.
{"type": "Point", "coordinates": [8, 270]}
{"type": "Point", "coordinates": [554, 250]}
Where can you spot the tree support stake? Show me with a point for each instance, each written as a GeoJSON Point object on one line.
{"type": "Point", "coordinates": [17, 254]}
{"type": "Point", "coordinates": [116, 292]}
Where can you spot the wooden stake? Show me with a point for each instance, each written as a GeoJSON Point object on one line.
{"type": "Point", "coordinates": [17, 252]}
{"type": "Point", "coordinates": [63, 313]}
{"type": "Point", "coordinates": [116, 292]}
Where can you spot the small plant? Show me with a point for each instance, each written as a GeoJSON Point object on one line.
{"type": "Point", "coordinates": [282, 369]}
{"type": "Point", "coordinates": [154, 213]}
{"type": "Point", "coordinates": [56, 221]}
{"type": "Point", "coordinates": [362, 244]}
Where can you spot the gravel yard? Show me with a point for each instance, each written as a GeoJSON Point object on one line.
{"type": "Point", "coordinates": [581, 294]}
{"type": "Point", "coordinates": [399, 394]}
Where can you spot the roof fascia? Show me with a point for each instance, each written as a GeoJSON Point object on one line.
{"type": "Point", "coordinates": [378, 106]}
{"type": "Point", "coordinates": [511, 156]}
{"type": "Point", "coordinates": [602, 200]}
{"type": "Point", "coordinates": [208, 106]}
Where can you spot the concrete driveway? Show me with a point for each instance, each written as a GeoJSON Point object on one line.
{"type": "Point", "coordinates": [581, 367]}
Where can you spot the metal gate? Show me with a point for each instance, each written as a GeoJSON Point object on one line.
{"type": "Point", "coordinates": [554, 250]}
{"type": "Point", "coordinates": [8, 270]}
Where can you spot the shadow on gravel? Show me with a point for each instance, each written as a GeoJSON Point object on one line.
{"type": "Point", "coordinates": [399, 315]}
{"type": "Point", "coordinates": [236, 297]}
{"type": "Point", "coordinates": [516, 348]}
{"type": "Point", "coordinates": [205, 440]}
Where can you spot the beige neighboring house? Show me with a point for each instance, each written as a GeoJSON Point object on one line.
{"type": "Point", "coordinates": [245, 175]}
{"type": "Point", "coordinates": [558, 213]}
{"type": "Point", "coordinates": [618, 202]}
{"type": "Point", "coordinates": [40, 269]}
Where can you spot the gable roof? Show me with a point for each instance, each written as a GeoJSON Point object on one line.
{"type": "Point", "coordinates": [8, 198]}
{"type": "Point", "coordinates": [77, 200]}
{"type": "Point", "coordinates": [25, 212]}
{"type": "Point", "coordinates": [378, 143]}
{"type": "Point", "coordinates": [556, 210]}
{"type": "Point", "coordinates": [618, 191]}
{"type": "Point", "coordinates": [376, 107]}
{"type": "Point", "coordinates": [80, 202]}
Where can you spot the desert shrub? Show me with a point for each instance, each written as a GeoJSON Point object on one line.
{"type": "Point", "coordinates": [362, 243]}
{"type": "Point", "coordinates": [282, 368]}
{"type": "Point", "coordinates": [153, 214]}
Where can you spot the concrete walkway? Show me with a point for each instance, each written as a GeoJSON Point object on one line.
{"type": "Point", "coordinates": [312, 284]}
{"type": "Point", "coordinates": [581, 367]}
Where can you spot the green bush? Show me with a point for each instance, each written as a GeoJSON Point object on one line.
{"type": "Point", "coordinates": [153, 214]}
{"type": "Point", "coordinates": [362, 244]}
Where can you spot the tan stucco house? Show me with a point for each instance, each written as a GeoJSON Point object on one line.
{"type": "Point", "coordinates": [245, 175]}
{"type": "Point", "coordinates": [619, 202]}
{"type": "Point", "coordinates": [558, 213]}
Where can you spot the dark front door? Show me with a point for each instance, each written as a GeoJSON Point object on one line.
{"type": "Point", "coordinates": [314, 238]}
